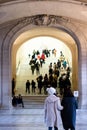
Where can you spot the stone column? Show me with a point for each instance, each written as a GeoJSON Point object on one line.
{"type": "Point", "coordinates": [6, 81]}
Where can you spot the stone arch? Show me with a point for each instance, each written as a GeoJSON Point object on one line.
{"type": "Point", "coordinates": [52, 35]}
{"type": "Point", "coordinates": [19, 28]}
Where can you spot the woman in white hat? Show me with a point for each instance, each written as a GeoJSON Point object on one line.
{"type": "Point", "coordinates": [52, 108]}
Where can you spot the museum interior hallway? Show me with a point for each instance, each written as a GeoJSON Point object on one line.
{"type": "Point", "coordinates": [22, 21]}
{"type": "Point", "coordinates": [29, 117]}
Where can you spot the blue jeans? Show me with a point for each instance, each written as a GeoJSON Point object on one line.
{"type": "Point", "coordinates": [50, 128]}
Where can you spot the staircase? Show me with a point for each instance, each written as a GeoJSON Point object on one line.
{"type": "Point", "coordinates": [34, 102]}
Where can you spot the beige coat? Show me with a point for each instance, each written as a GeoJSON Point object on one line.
{"type": "Point", "coordinates": [52, 109]}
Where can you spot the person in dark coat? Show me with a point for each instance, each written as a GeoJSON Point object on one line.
{"type": "Point", "coordinates": [13, 87]}
{"type": "Point", "coordinates": [68, 114]}
{"type": "Point", "coordinates": [14, 101]}
{"type": "Point", "coordinates": [64, 81]}
{"type": "Point", "coordinates": [20, 100]}
{"type": "Point", "coordinates": [28, 86]}
{"type": "Point", "coordinates": [33, 86]}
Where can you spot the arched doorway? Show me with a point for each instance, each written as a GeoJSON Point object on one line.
{"type": "Point", "coordinates": [68, 42]}
{"type": "Point", "coordinates": [10, 49]}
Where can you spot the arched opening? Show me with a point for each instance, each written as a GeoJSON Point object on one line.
{"type": "Point", "coordinates": [40, 44]}
{"type": "Point", "coordinates": [68, 47]}
{"type": "Point", "coordinates": [21, 37]}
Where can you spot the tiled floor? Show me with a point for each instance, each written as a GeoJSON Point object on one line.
{"type": "Point", "coordinates": [33, 119]}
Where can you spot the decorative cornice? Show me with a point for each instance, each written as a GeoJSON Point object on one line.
{"type": "Point", "coordinates": [37, 20]}
{"type": "Point", "coordinates": [43, 20]}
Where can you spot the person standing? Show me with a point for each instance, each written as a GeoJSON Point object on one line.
{"type": "Point", "coordinates": [52, 108]}
{"type": "Point", "coordinates": [28, 86]}
{"type": "Point", "coordinates": [33, 83]}
{"type": "Point", "coordinates": [13, 87]}
{"type": "Point", "coordinates": [40, 83]}
{"type": "Point", "coordinates": [68, 114]}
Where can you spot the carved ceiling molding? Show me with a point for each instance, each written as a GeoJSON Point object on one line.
{"type": "Point", "coordinates": [43, 20]}
{"type": "Point", "coordinates": [37, 20]}
{"type": "Point", "coordinates": [40, 20]}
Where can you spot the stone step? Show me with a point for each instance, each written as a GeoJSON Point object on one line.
{"type": "Point", "coordinates": [34, 102]}
{"type": "Point", "coordinates": [34, 98]}
{"type": "Point", "coordinates": [34, 106]}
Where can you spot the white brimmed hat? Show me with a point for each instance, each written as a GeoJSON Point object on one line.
{"type": "Point", "coordinates": [51, 90]}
